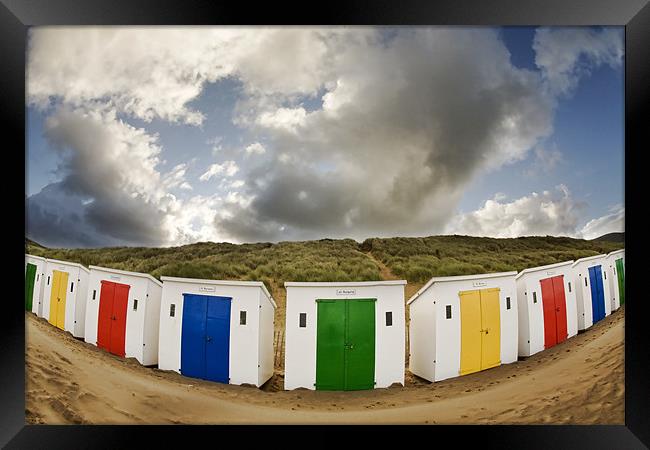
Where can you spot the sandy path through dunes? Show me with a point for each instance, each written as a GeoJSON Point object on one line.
{"type": "Point", "coordinates": [578, 381]}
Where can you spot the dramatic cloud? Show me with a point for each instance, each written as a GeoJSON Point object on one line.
{"type": "Point", "coordinates": [364, 131]}
{"type": "Point", "coordinates": [566, 54]}
{"type": "Point", "coordinates": [112, 191]}
{"type": "Point", "coordinates": [154, 72]}
{"type": "Point", "coordinates": [56, 218]}
{"type": "Point", "coordinates": [609, 223]}
{"type": "Point", "coordinates": [405, 123]}
{"type": "Point", "coordinates": [549, 213]}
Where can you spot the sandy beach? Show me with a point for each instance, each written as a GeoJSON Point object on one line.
{"type": "Point", "coordinates": [580, 381]}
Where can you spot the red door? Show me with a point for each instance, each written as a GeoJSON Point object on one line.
{"type": "Point", "coordinates": [548, 303]}
{"type": "Point", "coordinates": [118, 329]}
{"type": "Point", "coordinates": [560, 308]}
{"type": "Point", "coordinates": [111, 326]}
{"type": "Point", "coordinates": [105, 317]}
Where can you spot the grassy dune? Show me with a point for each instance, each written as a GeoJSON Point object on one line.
{"type": "Point", "coordinates": [418, 259]}
{"type": "Point", "coordinates": [414, 259]}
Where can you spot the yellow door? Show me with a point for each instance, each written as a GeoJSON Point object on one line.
{"type": "Point", "coordinates": [63, 294]}
{"type": "Point", "coordinates": [491, 326]}
{"type": "Point", "coordinates": [54, 295]}
{"type": "Point", "coordinates": [470, 332]}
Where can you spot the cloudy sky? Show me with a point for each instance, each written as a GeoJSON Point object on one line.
{"type": "Point", "coordinates": [164, 136]}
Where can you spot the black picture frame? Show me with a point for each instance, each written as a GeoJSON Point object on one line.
{"type": "Point", "coordinates": [17, 15]}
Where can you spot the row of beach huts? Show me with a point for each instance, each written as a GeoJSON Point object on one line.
{"type": "Point", "coordinates": [339, 335]}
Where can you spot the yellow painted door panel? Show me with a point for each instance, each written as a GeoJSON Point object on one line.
{"type": "Point", "coordinates": [54, 295]}
{"type": "Point", "coordinates": [491, 326]}
{"type": "Point", "coordinates": [470, 332]}
{"type": "Point", "coordinates": [63, 294]}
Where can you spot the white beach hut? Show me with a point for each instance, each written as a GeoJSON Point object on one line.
{"type": "Point", "coordinates": [546, 303]}
{"type": "Point", "coordinates": [344, 335]}
{"type": "Point", "coordinates": [592, 288]}
{"type": "Point", "coordinates": [615, 263]}
{"type": "Point", "coordinates": [217, 330]}
{"type": "Point", "coordinates": [34, 273]}
{"type": "Point", "coordinates": [463, 324]}
{"type": "Point", "coordinates": [123, 313]}
{"type": "Point", "coordinates": [64, 295]}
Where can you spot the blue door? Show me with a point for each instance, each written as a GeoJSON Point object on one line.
{"type": "Point", "coordinates": [597, 293]}
{"type": "Point", "coordinates": [205, 337]}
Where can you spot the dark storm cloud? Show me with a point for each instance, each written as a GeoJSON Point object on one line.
{"type": "Point", "coordinates": [106, 181]}
{"type": "Point", "coordinates": [56, 219]}
{"type": "Point", "coordinates": [403, 129]}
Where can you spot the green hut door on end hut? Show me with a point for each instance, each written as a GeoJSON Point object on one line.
{"type": "Point", "coordinates": [345, 344]}
{"type": "Point", "coordinates": [30, 275]}
{"type": "Point", "coordinates": [620, 274]}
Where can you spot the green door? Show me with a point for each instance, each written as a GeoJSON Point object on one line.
{"type": "Point", "coordinates": [30, 274]}
{"type": "Point", "coordinates": [345, 345]}
{"type": "Point", "coordinates": [620, 274]}
{"type": "Point", "coordinates": [330, 345]}
{"type": "Point", "coordinates": [360, 351]}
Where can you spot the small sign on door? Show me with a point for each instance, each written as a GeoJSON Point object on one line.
{"type": "Point", "coordinates": [346, 292]}
{"type": "Point", "coordinates": [479, 283]}
{"type": "Point", "coordinates": [206, 288]}
{"type": "Point", "coordinates": [114, 277]}
{"type": "Point", "coordinates": [550, 272]}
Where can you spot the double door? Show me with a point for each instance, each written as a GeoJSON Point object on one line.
{"type": "Point", "coordinates": [111, 325]}
{"type": "Point", "coordinates": [480, 330]}
{"type": "Point", "coordinates": [345, 344]}
{"type": "Point", "coordinates": [58, 296]}
{"type": "Point", "coordinates": [205, 337]}
{"type": "Point", "coordinates": [554, 305]}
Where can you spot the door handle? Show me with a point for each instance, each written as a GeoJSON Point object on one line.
{"type": "Point", "coordinates": [208, 338]}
